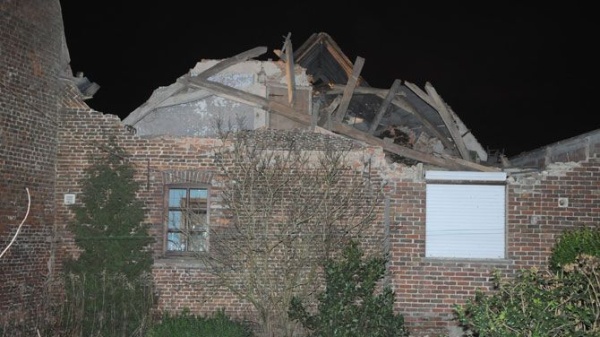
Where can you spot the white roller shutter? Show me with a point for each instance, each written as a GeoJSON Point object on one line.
{"type": "Point", "coordinates": [466, 214]}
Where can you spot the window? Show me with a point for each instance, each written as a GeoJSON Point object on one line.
{"type": "Point", "coordinates": [466, 214]}
{"type": "Point", "coordinates": [187, 219]}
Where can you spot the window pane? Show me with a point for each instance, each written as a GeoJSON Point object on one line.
{"type": "Point", "coordinates": [198, 198]}
{"type": "Point", "coordinates": [177, 197]}
{"type": "Point", "coordinates": [199, 193]}
{"type": "Point", "coordinates": [174, 220]}
{"type": "Point", "coordinates": [197, 242]}
{"type": "Point", "coordinates": [196, 220]}
{"type": "Point", "coordinates": [187, 220]}
{"type": "Point", "coordinates": [175, 242]}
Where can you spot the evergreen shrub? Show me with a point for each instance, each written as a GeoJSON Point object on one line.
{"type": "Point", "coordinates": [109, 286]}
{"type": "Point", "coordinates": [571, 244]}
{"type": "Point", "coordinates": [351, 306]}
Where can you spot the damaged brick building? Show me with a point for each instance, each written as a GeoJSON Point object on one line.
{"type": "Point", "coordinates": [510, 210]}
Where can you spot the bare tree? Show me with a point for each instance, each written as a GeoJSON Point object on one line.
{"type": "Point", "coordinates": [289, 205]}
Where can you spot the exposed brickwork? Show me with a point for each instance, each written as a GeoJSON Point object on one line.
{"type": "Point", "coordinates": [426, 288]}
{"type": "Point", "coordinates": [48, 135]}
{"type": "Point", "coordinates": [32, 35]}
{"type": "Point", "coordinates": [84, 133]}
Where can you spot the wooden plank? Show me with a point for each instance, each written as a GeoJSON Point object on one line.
{"type": "Point", "coordinates": [342, 109]}
{"type": "Point", "coordinates": [422, 94]}
{"type": "Point", "coordinates": [333, 105]}
{"type": "Point", "coordinates": [470, 164]}
{"type": "Point", "coordinates": [184, 98]}
{"type": "Point", "coordinates": [289, 69]}
{"type": "Point", "coordinates": [445, 161]}
{"type": "Point", "coordinates": [448, 120]}
{"type": "Point", "coordinates": [344, 129]}
{"type": "Point", "coordinates": [384, 105]}
{"type": "Point", "coordinates": [337, 89]}
{"type": "Point", "coordinates": [229, 92]}
{"type": "Point", "coordinates": [329, 111]}
{"type": "Point", "coordinates": [314, 120]}
{"type": "Point", "coordinates": [431, 103]}
{"type": "Point", "coordinates": [432, 130]}
{"type": "Point", "coordinates": [349, 131]}
{"type": "Point", "coordinates": [226, 63]}
{"type": "Point", "coordinates": [155, 99]}
{"type": "Point", "coordinates": [401, 102]}
{"type": "Point", "coordinates": [468, 136]}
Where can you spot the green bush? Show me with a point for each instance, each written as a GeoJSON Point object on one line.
{"type": "Point", "coordinates": [537, 304]}
{"type": "Point", "coordinates": [349, 306]}
{"type": "Point", "coordinates": [185, 324]}
{"type": "Point", "coordinates": [573, 243]}
{"type": "Point", "coordinates": [108, 286]}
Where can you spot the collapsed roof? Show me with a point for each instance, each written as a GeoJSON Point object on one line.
{"type": "Point", "coordinates": [313, 86]}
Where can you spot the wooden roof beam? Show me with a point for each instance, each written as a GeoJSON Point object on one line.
{"type": "Point", "coordinates": [155, 99]}
{"type": "Point", "coordinates": [384, 105]}
{"type": "Point", "coordinates": [341, 128]}
{"type": "Point", "coordinates": [347, 96]}
{"type": "Point", "coordinates": [228, 62]}
{"type": "Point", "coordinates": [448, 120]}
{"type": "Point", "coordinates": [440, 107]}
{"type": "Point", "coordinates": [289, 69]}
{"type": "Point", "coordinates": [161, 96]}
{"type": "Point", "coordinates": [349, 131]}
{"type": "Point", "coordinates": [402, 103]}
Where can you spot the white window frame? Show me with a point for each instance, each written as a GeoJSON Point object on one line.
{"type": "Point", "coordinates": [465, 215]}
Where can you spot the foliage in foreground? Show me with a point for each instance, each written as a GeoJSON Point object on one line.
{"type": "Point", "coordinates": [539, 304]}
{"type": "Point", "coordinates": [289, 201]}
{"type": "Point", "coordinates": [108, 288]}
{"type": "Point", "coordinates": [188, 325]}
{"type": "Point", "coordinates": [350, 306]}
{"type": "Point", "coordinates": [573, 243]}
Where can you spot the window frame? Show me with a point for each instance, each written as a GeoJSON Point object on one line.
{"type": "Point", "coordinates": [167, 209]}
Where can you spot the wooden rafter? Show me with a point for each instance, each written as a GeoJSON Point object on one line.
{"type": "Point", "coordinates": [440, 106]}
{"type": "Point", "coordinates": [347, 96]}
{"type": "Point", "coordinates": [289, 69]}
{"type": "Point", "coordinates": [341, 128]}
{"type": "Point", "coordinates": [166, 96]}
{"type": "Point", "coordinates": [437, 104]}
{"type": "Point", "coordinates": [384, 105]}
{"type": "Point", "coordinates": [157, 98]}
{"type": "Point", "coordinates": [401, 102]}
{"type": "Point", "coordinates": [228, 62]}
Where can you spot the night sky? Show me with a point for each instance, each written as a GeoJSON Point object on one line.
{"type": "Point", "coordinates": [519, 76]}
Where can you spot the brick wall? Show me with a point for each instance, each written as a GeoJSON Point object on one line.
{"type": "Point", "coordinates": [180, 283]}
{"type": "Point", "coordinates": [426, 288]}
{"type": "Point", "coordinates": [32, 35]}
{"type": "Point", "coordinates": [37, 136]}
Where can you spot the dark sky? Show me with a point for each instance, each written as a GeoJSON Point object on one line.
{"type": "Point", "coordinates": [520, 76]}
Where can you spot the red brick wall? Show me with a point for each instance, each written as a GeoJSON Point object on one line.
{"type": "Point", "coordinates": [180, 284]}
{"type": "Point", "coordinates": [30, 96]}
{"type": "Point", "coordinates": [31, 33]}
{"type": "Point", "coordinates": [83, 133]}
{"type": "Point", "coordinates": [426, 288]}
